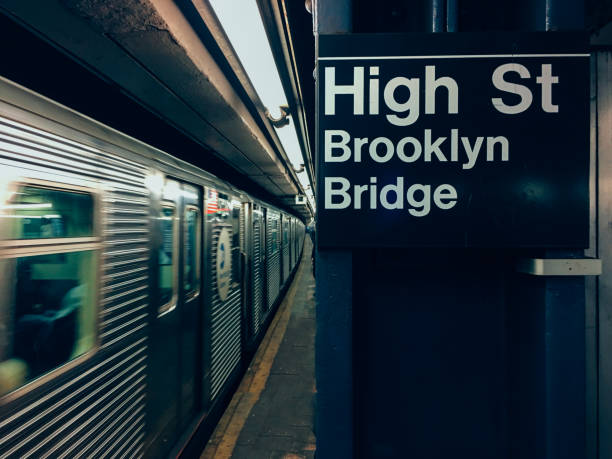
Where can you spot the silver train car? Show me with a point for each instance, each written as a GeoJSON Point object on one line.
{"type": "Point", "coordinates": [133, 287]}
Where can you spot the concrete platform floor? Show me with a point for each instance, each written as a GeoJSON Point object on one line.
{"type": "Point", "coordinates": [271, 416]}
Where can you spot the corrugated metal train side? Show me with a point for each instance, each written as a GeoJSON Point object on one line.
{"type": "Point", "coordinates": [158, 287]}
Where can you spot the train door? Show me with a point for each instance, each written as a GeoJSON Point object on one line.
{"type": "Point", "coordinates": [257, 274]}
{"type": "Point", "coordinates": [281, 244]}
{"type": "Point", "coordinates": [245, 237]}
{"type": "Point", "coordinates": [266, 261]}
{"type": "Point", "coordinates": [175, 299]}
{"type": "Point", "coordinates": [273, 256]}
{"type": "Point", "coordinates": [292, 241]}
{"type": "Point", "coordinates": [190, 301]}
{"type": "Point", "coordinates": [224, 300]}
{"type": "Point", "coordinates": [285, 249]}
{"type": "Point", "coordinates": [295, 242]}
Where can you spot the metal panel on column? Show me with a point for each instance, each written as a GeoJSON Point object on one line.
{"type": "Point", "coordinates": [604, 147]}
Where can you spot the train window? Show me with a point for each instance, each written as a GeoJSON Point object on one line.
{"type": "Point", "coordinates": [34, 212]}
{"type": "Point", "coordinates": [191, 282]}
{"type": "Point", "coordinates": [218, 205]}
{"type": "Point", "coordinates": [236, 267]}
{"type": "Point", "coordinates": [274, 234]}
{"type": "Point", "coordinates": [224, 207]}
{"type": "Point", "coordinates": [48, 291]}
{"type": "Point", "coordinates": [236, 224]}
{"type": "Point", "coordinates": [52, 313]}
{"type": "Point", "coordinates": [167, 255]}
{"type": "Point", "coordinates": [285, 232]}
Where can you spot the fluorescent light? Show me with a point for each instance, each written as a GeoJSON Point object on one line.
{"type": "Point", "coordinates": [189, 195]}
{"type": "Point", "coordinates": [171, 191]}
{"type": "Point", "coordinates": [42, 205]}
{"type": "Point", "coordinates": [290, 143]}
{"type": "Point", "coordinates": [243, 25]}
{"type": "Point", "coordinates": [154, 182]}
{"type": "Point", "coordinates": [30, 217]}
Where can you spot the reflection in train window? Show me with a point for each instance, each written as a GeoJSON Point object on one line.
{"type": "Point", "coordinates": [285, 231]}
{"type": "Point", "coordinates": [236, 264]}
{"type": "Point", "coordinates": [167, 259]}
{"type": "Point", "coordinates": [223, 210]}
{"type": "Point", "coordinates": [51, 315]}
{"type": "Point", "coordinates": [48, 302]}
{"type": "Point", "coordinates": [274, 224]}
{"type": "Point", "coordinates": [191, 282]}
{"type": "Point", "coordinates": [34, 212]}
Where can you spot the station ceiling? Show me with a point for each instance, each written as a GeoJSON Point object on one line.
{"type": "Point", "coordinates": [174, 59]}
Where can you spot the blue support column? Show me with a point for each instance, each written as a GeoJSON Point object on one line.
{"type": "Point", "coordinates": [334, 313]}
{"type": "Point", "coordinates": [437, 15]}
{"type": "Point", "coordinates": [565, 368]}
{"type": "Point", "coordinates": [334, 355]}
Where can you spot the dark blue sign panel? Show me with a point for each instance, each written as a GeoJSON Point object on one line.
{"type": "Point", "coordinates": [456, 140]}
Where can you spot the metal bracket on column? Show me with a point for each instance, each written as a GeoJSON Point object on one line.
{"type": "Point", "coordinates": [559, 266]}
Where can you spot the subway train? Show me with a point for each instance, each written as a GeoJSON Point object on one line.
{"type": "Point", "coordinates": [133, 286]}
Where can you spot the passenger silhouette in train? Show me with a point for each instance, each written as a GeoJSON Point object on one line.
{"type": "Point", "coordinates": [45, 326]}
{"type": "Point", "coordinates": [311, 232]}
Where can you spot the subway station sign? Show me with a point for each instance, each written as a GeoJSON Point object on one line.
{"type": "Point", "coordinates": [453, 140]}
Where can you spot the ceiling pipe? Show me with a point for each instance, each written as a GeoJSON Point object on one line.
{"type": "Point", "coordinates": [452, 15]}
{"type": "Point", "coordinates": [564, 15]}
{"type": "Point", "coordinates": [437, 15]}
